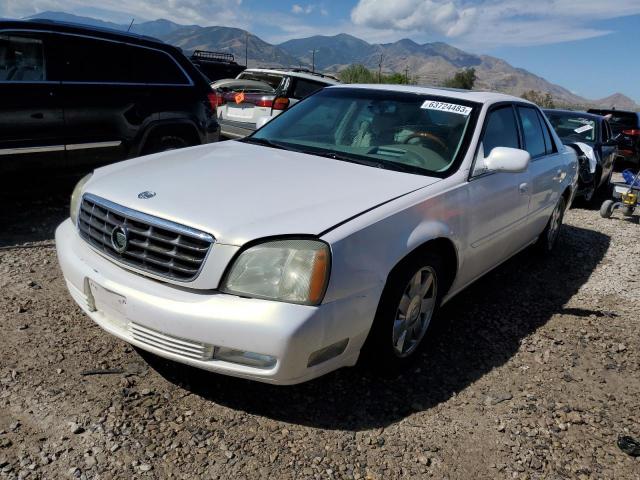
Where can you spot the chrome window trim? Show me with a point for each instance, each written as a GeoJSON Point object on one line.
{"type": "Point", "coordinates": [150, 219]}
{"type": "Point", "coordinates": [24, 150]}
{"type": "Point", "coordinates": [53, 32]}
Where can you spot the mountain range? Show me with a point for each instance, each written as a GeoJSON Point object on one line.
{"type": "Point", "coordinates": [427, 64]}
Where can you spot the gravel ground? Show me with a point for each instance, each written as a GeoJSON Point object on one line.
{"type": "Point", "coordinates": [533, 373]}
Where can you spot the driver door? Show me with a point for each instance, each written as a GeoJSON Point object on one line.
{"type": "Point", "coordinates": [498, 202]}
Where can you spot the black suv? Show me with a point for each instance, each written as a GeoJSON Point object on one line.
{"type": "Point", "coordinates": [626, 127]}
{"type": "Point", "coordinates": [71, 94]}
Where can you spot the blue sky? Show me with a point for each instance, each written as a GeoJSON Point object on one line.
{"type": "Point", "coordinates": [587, 46]}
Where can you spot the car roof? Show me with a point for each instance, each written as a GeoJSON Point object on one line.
{"type": "Point", "coordinates": [593, 116]}
{"type": "Point", "coordinates": [297, 73]}
{"type": "Point", "coordinates": [469, 95]}
{"type": "Point", "coordinates": [80, 29]}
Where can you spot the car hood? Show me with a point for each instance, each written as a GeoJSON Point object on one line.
{"type": "Point", "coordinates": [239, 192]}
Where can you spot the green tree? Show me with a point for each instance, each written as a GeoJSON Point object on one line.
{"type": "Point", "coordinates": [357, 73]}
{"type": "Point", "coordinates": [464, 79]}
{"type": "Point", "coordinates": [544, 100]}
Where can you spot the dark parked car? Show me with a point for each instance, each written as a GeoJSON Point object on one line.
{"type": "Point", "coordinates": [592, 137]}
{"type": "Point", "coordinates": [627, 126]}
{"type": "Point", "coordinates": [73, 95]}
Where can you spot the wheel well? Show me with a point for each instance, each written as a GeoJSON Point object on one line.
{"type": "Point", "coordinates": [183, 130]}
{"type": "Point", "coordinates": [448, 252]}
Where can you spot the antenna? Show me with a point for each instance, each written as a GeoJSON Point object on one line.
{"type": "Point", "coordinates": [131, 24]}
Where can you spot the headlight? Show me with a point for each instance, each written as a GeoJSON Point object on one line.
{"type": "Point", "coordinates": [294, 271]}
{"type": "Point", "coordinates": [76, 196]}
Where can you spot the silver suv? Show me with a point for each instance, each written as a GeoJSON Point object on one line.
{"type": "Point", "coordinates": [244, 108]}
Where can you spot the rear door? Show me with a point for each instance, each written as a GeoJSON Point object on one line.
{"type": "Point", "coordinates": [546, 168]}
{"type": "Point", "coordinates": [31, 119]}
{"type": "Point", "coordinates": [104, 107]}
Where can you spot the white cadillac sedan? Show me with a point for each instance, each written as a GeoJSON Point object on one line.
{"type": "Point", "coordinates": [335, 231]}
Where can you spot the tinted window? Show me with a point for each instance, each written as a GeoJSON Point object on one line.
{"type": "Point", "coordinates": [532, 132]}
{"type": "Point", "coordinates": [303, 88]}
{"type": "Point", "coordinates": [573, 127]}
{"type": "Point", "coordinates": [548, 142]}
{"type": "Point", "coordinates": [501, 130]}
{"type": "Point", "coordinates": [89, 60]}
{"type": "Point", "coordinates": [21, 59]}
{"type": "Point", "coordinates": [153, 66]}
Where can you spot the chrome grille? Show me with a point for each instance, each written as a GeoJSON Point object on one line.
{"type": "Point", "coordinates": [171, 344]}
{"type": "Point", "coordinates": [151, 244]}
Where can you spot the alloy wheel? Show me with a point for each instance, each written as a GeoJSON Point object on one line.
{"type": "Point", "coordinates": [414, 312]}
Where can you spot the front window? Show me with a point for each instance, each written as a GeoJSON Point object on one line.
{"type": "Point", "coordinates": [21, 59]}
{"type": "Point", "coordinates": [573, 127]}
{"type": "Point", "coordinates": [395, 130]}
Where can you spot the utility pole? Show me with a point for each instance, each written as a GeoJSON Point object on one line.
{"type": "Point", "coordinates": [406, 75]}
{"type": "Point", "coordinates": [380, 68]}
{"type": "Point", "coordinates": [131, 24]}
{"type": "Point", "coordinates": [313, 61]}
{"type": "Point", "coordinates": [246, 49]}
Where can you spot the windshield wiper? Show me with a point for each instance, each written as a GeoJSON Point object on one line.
{"type": "Point", "coordinates": [385, 164]}
{"type": "Point", "coordinates": [265, 142]}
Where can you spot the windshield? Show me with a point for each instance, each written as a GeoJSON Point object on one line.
{"type": "Point", "coordinates": [400, 131]}
{"type": "Point", "coordinates": [574, 127]}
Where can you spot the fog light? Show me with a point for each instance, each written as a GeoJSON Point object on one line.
{"type": "Point", "coordinates": [241, 357]}
{"type": "Point", "coordinates": [327, 353]}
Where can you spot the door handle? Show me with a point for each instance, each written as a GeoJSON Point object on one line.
{"type": "Point", "coordinates": [559, 175]}
{"type": "Point", "coordinates": [523, 188]}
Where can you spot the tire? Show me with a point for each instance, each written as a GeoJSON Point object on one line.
{"type": "Point", "coordinates": [406, 312]}
{"type": "Point", "coordinates": [628, 211]}
{"type": "Point", "coordinates": [165, 143]}
{"type": "Point", "coordinates": [606, 210]}
{"type": "Point", "coordinates": [549, 237]}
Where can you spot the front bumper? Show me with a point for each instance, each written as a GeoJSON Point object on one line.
{"type": "Point", "coordinates": [187, 325]}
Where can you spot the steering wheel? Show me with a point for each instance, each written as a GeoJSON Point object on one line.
{"type": "Point", "coordinates": [429, 136]}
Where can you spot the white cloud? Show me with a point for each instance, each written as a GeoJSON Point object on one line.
{"type": "Point", "coordinates": [300, 9]}
{"type": "Point", "coordinates": [489, 23]}
{"type": "Point", "coordinates": [202, 12]}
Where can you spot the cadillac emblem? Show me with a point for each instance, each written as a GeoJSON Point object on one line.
{"type": "Point", "coordinates": [146, 195]}
{"type": "Point", "coordinates": [119, 239]}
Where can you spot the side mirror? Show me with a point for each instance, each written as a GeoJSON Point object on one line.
{"type": "Point", "coordinates": [612, 142]}
{"type": "Point", "coordinates": [508, 160]}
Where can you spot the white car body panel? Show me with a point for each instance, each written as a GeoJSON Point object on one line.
{"type": "Point", "coordinates": [371, 219]}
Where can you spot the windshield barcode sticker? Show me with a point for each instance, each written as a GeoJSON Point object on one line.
{"type": "Point", "coordinates": [583, 128]}
{"type": "Point", "coordinates": [446, 107]}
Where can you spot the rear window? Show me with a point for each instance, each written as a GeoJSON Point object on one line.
{"type": "Point", "coordinates": [573, 127]}
{"type": "Point", "coordinates": [619, 120]}
{"type": "Point", "coordinates": [155, 67]}
{"type": "Point", "coordinates": [98, 61]}
{"type": "Point", "coordinates": [273, 79]}
{"type": "Point", "coordinates": [303, 88]}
